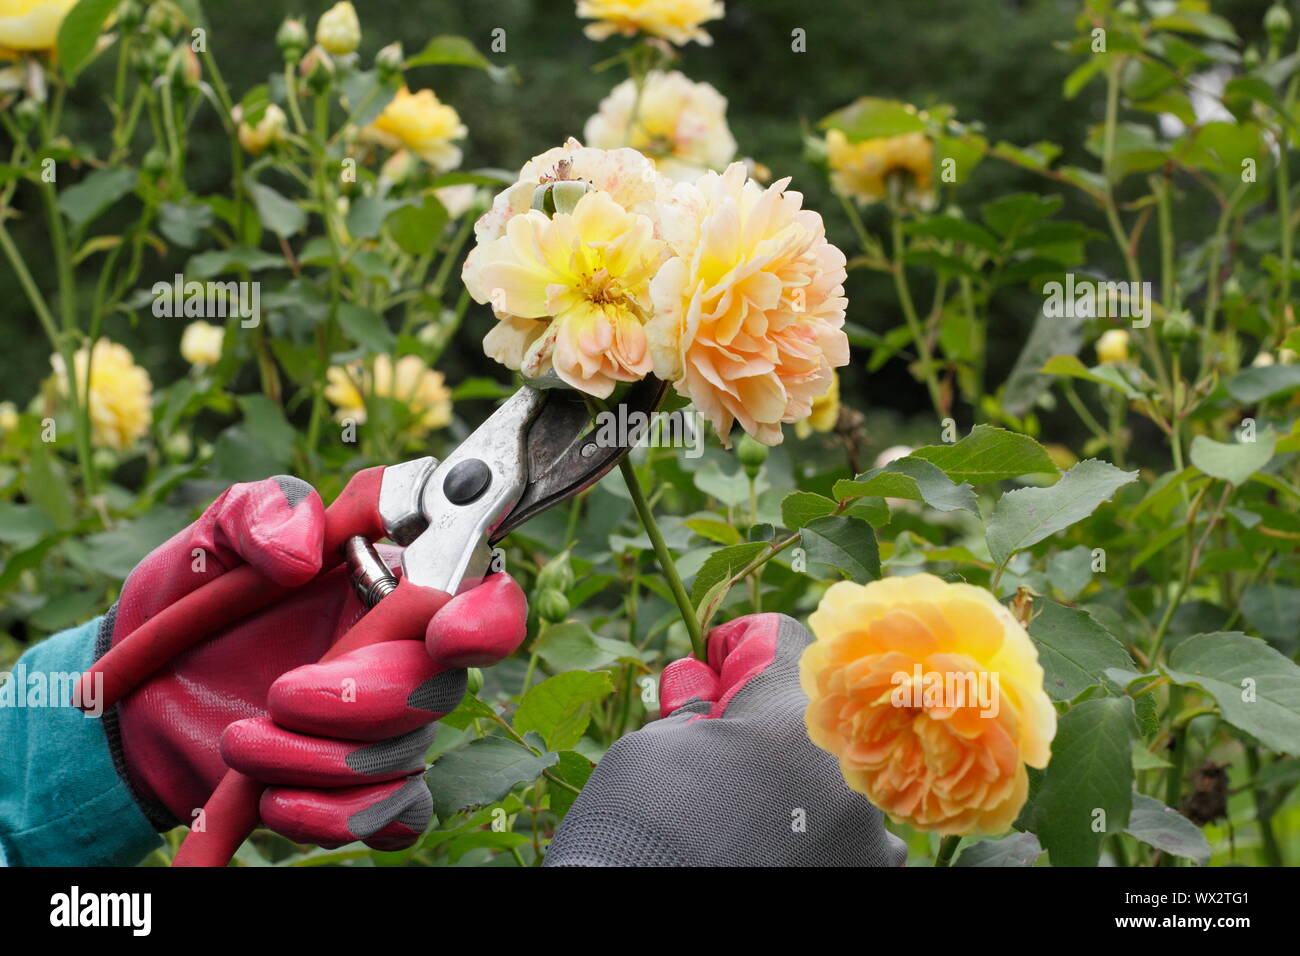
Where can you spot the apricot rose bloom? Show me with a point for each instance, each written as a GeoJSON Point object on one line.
{"type": "Point", "coordinates": [120, 393]}
{"type": "Point", "coordinates": [409, 381]}
{"type": "Point", "coordinates": [955, 766]}
{"type": "Point", "coordinates": [679, 124]}
{"type": "Point", "coordinates": [31, 25]}
{"type": "Point", "coordinates": [421, 123]}
{"type": "Point", "coordinates": [677, 21]}
{"type": "Point", "coordinates": [749, 311]}
{"type": "Point", "coordinates": [862, 170]}
{"type": "Point", "coordinates": [572, 291]}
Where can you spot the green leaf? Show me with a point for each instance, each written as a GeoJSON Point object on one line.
{"type": "Point", "coordinates": [484, 840]}
{"type": "Point", "coordinates": [1253, 385]}
{"type": "Point", "coordinates": [844, 543]}
{"type": "Point", "coordinates": [79, 33]}
{"type": "Point", "coordinates": [448, 50]}
{"type": "Point", "coordinates": [239, 455]}
{"type": "Point", "coordinates": [205, 265]}
{"type": "Point", "coordinates": [265, 421]}
{"type": "Point", "coordinates": [1166, 829]}
{"type": "Point", "coordinates": [1070, 572]}
{"type": "Point", "coordinates": [90, 197]}
{"type": "Point", "coordinates": [368, 329]}
{"type": "Point", "coordinates": [1256, 688]}
{"type": "Point", "coordinates": [573, 769]}
{"type": "Point", "coordinates": [800, 507]}
{"type": "Point", "coordinates": [722, 564]}
{"type": "Point", "coordinates": [366, 215]}
{"type": "Point", "coordinates": [1106, 375]}
{"type": "Point", "coordinates": [415, 228]}
{"type": "Point", "coordinates": [988, 454]}
{"type": "Point", "coordinates": [1233, 461]}
{"type": "Point", "coordinates": [1273, 610]}
{"type": "Point", "coordinates": [282, 216]}
{"type": "Point", "coordinates": [1008, 215]}
{"type": "Point", "coordinates": [115, 553]}
{"type": "Point", "coordinates": [46, 485]}
{"type": "Point", "coordinates": [1028, 515]}
{"type": "Point", "coordinates": [559, 708]}
{"type": "Point", "coordinates": [730, 489]}
{"type": "Point", "coordinates": [482, 772]}
{"type": "Point", "coordinates": [1016, 849]}
{"type": "Point", "coordinates": [183, 223]}
{"type": "Point", "coordinates": [1091, 770]}
{"type": "Point", "coordinates": [1074, 650]}
{"type": "Point", "coordinates": [958, 230]}
{"type": "Point", "coordinates": [21, 526]}
{"type": "Point", "coordinates": [572, 646]}
{"type": "Point", "coordinates": [913, 478]}
{"type": "Point", "coordinates": [870, 117]}
{"type": "Point", "coordinates": [716, 530]}
{"type": "Point", "coordinates": [367, 95]}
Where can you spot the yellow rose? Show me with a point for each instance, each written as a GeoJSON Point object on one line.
{"type": "Point", "coordinates": [572, 293]}
{"type": "Point", "coordinates": [410, 381]}
{"type": "Point", "coordinates": [677, 21]}
{"type": "Point", "coordinates": [31, 25]}
{"type": "Point", "coordinates": [825, 411]}
{"type": "Point", "coordinates": [862, 170]}
{"type": "Point", "coordinates": [930, 694]}
{"type": "Point", "coordinates": [1112, 347]}
{"type": "Point", "coordinates": [680, 125]}
{"type": "Point", "coordinates": [269, 129]}
{"type": "Point", "coordinates": [421, 123]}
{"type": "Point", "coordinates": [338, 30]}
{"type": "Point", "coordinates": [201, 343]}
{"type": "Point", "coordinates": [120, 393]}
{"type": "Point", "coordinates": [749, 311]}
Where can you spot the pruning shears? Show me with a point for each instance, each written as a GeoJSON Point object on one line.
{"type": "Point", "coordinates": [536, 450]}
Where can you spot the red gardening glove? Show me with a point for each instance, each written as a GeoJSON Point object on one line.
{"type": "Point", "coordinates": [341, 744]}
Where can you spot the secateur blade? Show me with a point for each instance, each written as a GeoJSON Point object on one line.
{"type": "Point", "coordinates": [563, 453]}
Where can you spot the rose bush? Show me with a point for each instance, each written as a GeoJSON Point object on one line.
{"type": "Point", "coordinates": [1094, 513]}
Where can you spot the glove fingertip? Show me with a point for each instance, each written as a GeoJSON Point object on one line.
{"type": "Point", "coordinates": [685, 680]}
{"type": "Point", "coordinates": [481, 626]}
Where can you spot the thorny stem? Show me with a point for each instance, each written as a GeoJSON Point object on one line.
{"type": "Point", "coordinates": [913, 321]}
{"type": "Point", "coordinates": [947, 847]}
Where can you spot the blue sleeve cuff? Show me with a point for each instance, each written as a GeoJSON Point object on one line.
{"type": "Point", "coordinates": [62, 802]}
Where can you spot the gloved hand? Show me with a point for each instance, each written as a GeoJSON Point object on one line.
{"type": "Point", "coordinates": [341, 744]}
{"type": "Point", "coordinates": [728, 777]}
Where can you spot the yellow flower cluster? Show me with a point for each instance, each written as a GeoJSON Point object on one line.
{"type": "Point", "coordinates": [864, 170]}
{"type": "Point", "coordinates": [728, 290]}
{"type": "Point", "coordinates": [677, 21]}
{"type": "Point", "coordinates": [120, 393]}
{"type": "Point", "coordinates": [931, 696]}
{"type": "Point", "coordinates": [408, 380]}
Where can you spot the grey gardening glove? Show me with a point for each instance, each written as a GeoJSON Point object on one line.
{"type": "Point", "coordinates": [728, 777]}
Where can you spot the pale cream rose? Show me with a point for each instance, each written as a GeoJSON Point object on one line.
{"type": "Point", "coordinates": [629, 178]}
{"type": "Point", "coordinates": [421, 123]}
{"type": "Point", "coordinates": [679, 124]}
{"type": "Point", "coordinates": [677, 21]}
{"type": "Point", "coordinates": [31, 25]}
{"type": "Point", "coordinates": [572, 293]}
{"type": "Point", "coordinates": [8, 417]}
{"type": "Point", "coordinates": [946, 752]}
{"type": "Point", "coordinates": [201, 343]}
{"type": "Point", "coordinates": [749, 312]}
{"type": "Point", "coordinates": [457, 199]}
{"type": "Point", "coordinates": [120, 393]}
{"type": "Point", "coordinates": [338, 30]}
{"type": "Point", "coordinates": [410, 381]}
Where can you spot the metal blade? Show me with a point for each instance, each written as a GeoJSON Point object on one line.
{"type": "Point", "coordinates": [563, 453]}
